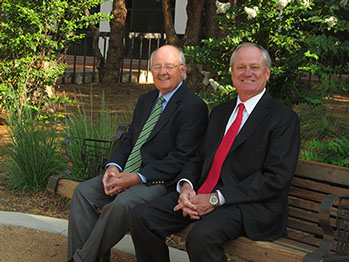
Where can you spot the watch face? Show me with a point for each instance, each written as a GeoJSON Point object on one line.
{"type": "Point", "coordinates": [213, 200]}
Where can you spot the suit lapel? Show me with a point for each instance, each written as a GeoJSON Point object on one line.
{"type": "Point", "coordinates": [258, 114]}
{"type": "Point", "coordinates": [222, 123]}
{"type": "Point", "coordinates": [170, 108]}
{"type": "Point", "coordinates": [147, 110]}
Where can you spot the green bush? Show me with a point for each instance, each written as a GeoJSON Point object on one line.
{"type": "Point", "coordinates": [334, 152]}
{"type": "Point", "coordinates": [319, 122]}
{"type": "Point", "coordinates": [33, 152]}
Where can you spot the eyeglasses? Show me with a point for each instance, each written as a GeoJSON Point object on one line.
{"type": "Point", "coordinates": [167, 68]}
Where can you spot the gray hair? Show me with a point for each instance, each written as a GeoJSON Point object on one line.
{"type": "Point", "coordinates": [181, 59]}
{"type": "Point", "coordinates": [264, 52]}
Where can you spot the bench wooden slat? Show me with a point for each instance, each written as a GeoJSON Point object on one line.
{"type": "Point", "coordinates": [321, 172]}
{"type": "Point", "coordinates": [264, 251]}
{"type": "Point", "coordinates": [310, 206]}
{"type": "Point", "coordinates": [306, 194]}
{"type": "Point", "coordinates": [303, 214]}
{"type": "Point", "coordinates": [303, 237]}
{"type": "Point", "coordinates": [304, 226]}
{"type": "Point", "coordinates": [65, 187]}
{"type": "Point", "coordinates": [294, 244]}
{"type": "Point", "coordinates": [304, 204]}
{"type": "Point", "coordinates": [318, 186]}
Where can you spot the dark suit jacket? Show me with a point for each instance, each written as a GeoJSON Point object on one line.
{"type": "Point", "coordinates": [258, 169]}
{"type": "Point", "coordinates": [174, 138]}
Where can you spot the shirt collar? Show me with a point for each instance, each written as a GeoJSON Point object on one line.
{"type": "Point", "coordinates": [168, 96]}
{"type": "Point", "coordinates": [251, 103]}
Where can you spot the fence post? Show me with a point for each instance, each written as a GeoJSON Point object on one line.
{"type": "Point", "coordinates": [131, 53]}
{"type": "Point", "coordinates": [74, 68]}
{"type": "Point", "coordinates": [140, 58]}
{"type": "Point", "coordinates": [122, 59]}
{"type": "Point", "coordinates": [84, 65]}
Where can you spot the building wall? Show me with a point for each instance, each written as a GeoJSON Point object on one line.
{"type": "Point", "coordinates": [147, 18]}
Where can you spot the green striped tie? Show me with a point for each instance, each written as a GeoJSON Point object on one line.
{"type": "Point", "coordinates": [134, 160]}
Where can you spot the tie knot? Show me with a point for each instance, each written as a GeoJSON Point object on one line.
{"type": "Point", "coordinates": [241, 106]}
{"type": "Point", "coordinates": [161, 99]}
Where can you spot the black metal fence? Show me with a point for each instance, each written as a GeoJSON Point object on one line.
{"type": "Point", "coordinates": [137, 47]}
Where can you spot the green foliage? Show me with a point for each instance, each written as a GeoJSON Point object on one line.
{"type": "Point", "coordinates": [221, 94]}
{"type": "Point", "coordinates": [214, 99]}
{"type": "Point", "coordinates": [33, 152]}
{"type": "Point", "coordinates": [335, 152]}
{"type": "Point", "coordinates": [299, 37]}
{"type": "Point", "coordinates": [33, 37]}
{"type": "Point", "coordinates": [319, 122]}
{"type": "Point", "coordinates": [94, 125]}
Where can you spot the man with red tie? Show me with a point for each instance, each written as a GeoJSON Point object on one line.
{"type": "Point", "coordinates": [238, 182]}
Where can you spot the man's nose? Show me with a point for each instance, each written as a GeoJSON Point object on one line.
{"type": "Point", "coordinates": [162, 70]}
{"type": "Point", "coordinates": [248, 71]}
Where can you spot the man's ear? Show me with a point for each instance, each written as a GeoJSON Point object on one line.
{"type": "Point", "coordinates": [183, 69]}
{"type": "Point", "coordinates": [268, 73]}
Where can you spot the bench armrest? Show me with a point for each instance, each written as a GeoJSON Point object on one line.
{"type": "Point", "coordinates": [323, 253]}
{"type": "Point", "coordinates": [94, 153]}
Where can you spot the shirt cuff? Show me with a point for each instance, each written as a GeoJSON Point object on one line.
{"type": "Point", "coordinates": [180, 183]}
{"type": "Point", "coordinates": [113, 164]}
{"type": "Point", "coordinates": [144, 179]}
{"type": "Point", "coordinates": [221, 198]}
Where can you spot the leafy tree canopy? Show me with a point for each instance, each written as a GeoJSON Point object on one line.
{"type": "Point", "coordinates": [300, 35]}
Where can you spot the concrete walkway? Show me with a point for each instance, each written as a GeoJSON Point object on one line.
{"type": "Point", "coordinates": [60, 226]}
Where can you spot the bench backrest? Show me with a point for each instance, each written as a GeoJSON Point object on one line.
{"type": "Point", "coordinates": [311, 183]}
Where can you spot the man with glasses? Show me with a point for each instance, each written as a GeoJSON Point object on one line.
{"type": "Point", "coordinates": [238, 182]}
{"type": "Point", "coordinates": [165, 131]}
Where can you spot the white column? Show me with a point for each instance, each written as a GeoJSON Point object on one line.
{"type": "Point", "coordinates": [180, 21]}
{"type": "Point", "coordinates": [106, 8]}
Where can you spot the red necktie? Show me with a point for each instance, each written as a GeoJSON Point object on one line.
{"type": "Point", "coordinates": [221, 154]}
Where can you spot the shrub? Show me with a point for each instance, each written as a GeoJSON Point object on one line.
{"type": "Point", "coordinates": [33, 152]}
{"type": "Point", "coordinates": [334, 152]}
{"type": "Point", "coordinates": [319, 122]}
{"type": "Point", "coordinates": [93, 125]}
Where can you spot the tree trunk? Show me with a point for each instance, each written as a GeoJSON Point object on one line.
{"type": "Point", "coordinates": [171, 35]}
{"type": "Point", "coordinates": [210, 24]}
{"type": "Point", "coordinates": [117, 32]}
{"type": "Point", "coordinates": [195, 9]}
{"type": "Point", "coordinates": [194, 13]}
{"type": "Point", "coordinates": [236, 3]}
{"type": "Point", "coordinates": [96, 51]}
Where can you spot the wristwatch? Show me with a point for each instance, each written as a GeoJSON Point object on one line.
{"type": "Point", "coordinates": [213, 200]}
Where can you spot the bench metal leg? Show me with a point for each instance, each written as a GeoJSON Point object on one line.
{"type": "Point", "coordinates": [336, 259]}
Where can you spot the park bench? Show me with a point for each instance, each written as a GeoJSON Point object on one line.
{"type": "Point", "coordinates": [318, 223]}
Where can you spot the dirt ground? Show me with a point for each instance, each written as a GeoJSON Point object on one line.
{"type": "Point", "coordinates": [21, 244]}
{"type": "Point", "coordinates": [30, 245]}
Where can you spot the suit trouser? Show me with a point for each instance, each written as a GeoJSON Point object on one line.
{"type": "Point", "coordinates": [91, 234]}
{"type": "Point", "coordinates": [153, 221]}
